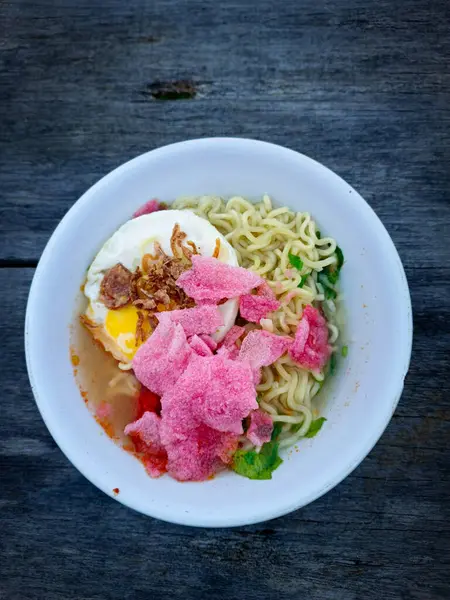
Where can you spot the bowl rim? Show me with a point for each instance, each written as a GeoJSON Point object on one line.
{"type": "Point", "coordinates": [280, 509]}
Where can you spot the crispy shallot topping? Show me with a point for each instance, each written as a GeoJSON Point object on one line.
{"type": "Point", "coordinates": [162, 297]}
{"type": "Point", "coordinates": [193, 246]}
{"type": "Point", "coordinates": [216, 249]}
{"type": "Point", "coordinates": [176, 241]}
{"type": "Point", "coordinates": [115, 288]}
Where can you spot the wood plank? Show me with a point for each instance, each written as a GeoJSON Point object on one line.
{"type": "Point", "coordinates": [383, 532]}
{"type": "Point", "coordinates": [74, 109]}
{"type": "Point", "coordinates": [361, 86]}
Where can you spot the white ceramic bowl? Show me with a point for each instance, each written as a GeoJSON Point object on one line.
{"type": "Point", "coordinates": [361, 397]}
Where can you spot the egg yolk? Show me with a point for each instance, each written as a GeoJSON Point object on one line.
{"type": "Point", "coordinates": [121, 326]}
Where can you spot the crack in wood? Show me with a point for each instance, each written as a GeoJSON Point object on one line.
{"type": "Point", "coordinates": [181, 89]}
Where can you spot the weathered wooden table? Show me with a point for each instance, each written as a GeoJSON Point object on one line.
{"type": "Point", "coordinates": [362, 86]}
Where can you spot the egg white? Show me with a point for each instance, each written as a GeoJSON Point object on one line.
{"type": "Point", "coordinates": [127, 246]}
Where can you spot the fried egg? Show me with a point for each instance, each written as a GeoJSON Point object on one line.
{"type": "Point", "coordinates": [116, 329]}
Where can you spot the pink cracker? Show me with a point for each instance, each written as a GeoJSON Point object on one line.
{"type": "Point", "coordinates": [230, 394]}
{"type": "Point", "coordinates": [152, 469]}
{"type": "Point", "coordinates": [260, 429]}
{"type": "Point", "coordinates": [199, 346]}
{"type": "Point", "coordinates": [201, 319]}
{"type": "Point", "coordinates": [178, 404]}
{"type": "Point", "coordinates": [255, 308]}
{"type": "Point", "coordinates": [232, 353]}
{"type": "Point", "coordinates": [147, 429]}
{"type": "Point", "coordinates": [311, 349]}
{"type": "Point", "coordinates": [202, 415]}
{"type": "Point", "coordinates": [266, 291]}
{"type": "Point", "coordinates": [210, 280]}
{"type": "Point", "coordinates": [161, 360]}
{"type": "Point", "coordinates": [232, 336]}
{"type": "Point", "coordinates": [215, 391]}
{"type": "Point", "coordinates": [200, 455]}
{"type": "Point", "coordinates": [261, 349]}
{"type": "Point", "coordinates": [212, 344]}
{"type": "Point", "coordinates": [151, 206]}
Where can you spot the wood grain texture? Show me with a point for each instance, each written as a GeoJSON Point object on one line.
{"type": "Point", "coordinates": [363, 87]}
{"type": "Point", "coordinates": [383, 532]}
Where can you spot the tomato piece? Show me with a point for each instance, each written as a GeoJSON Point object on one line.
{"type": "Point", "coordinates": [147, 401]}
{"type": "Point", "coordinates": [155, 465]}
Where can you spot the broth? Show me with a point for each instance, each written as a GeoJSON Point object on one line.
{"type": "Point", "coordinates": [109, 393]}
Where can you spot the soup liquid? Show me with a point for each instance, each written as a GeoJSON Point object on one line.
{"type": "Point", "coordinates": [109, 393]}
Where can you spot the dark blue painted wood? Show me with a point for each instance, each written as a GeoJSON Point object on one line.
{"type": "Point", "coordinates": [363, 87]}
